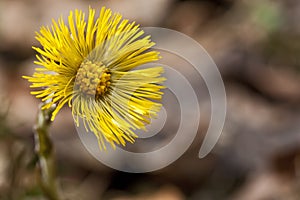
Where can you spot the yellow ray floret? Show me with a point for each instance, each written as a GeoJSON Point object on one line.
{"type": "Point", "coordinates": [91, 66]}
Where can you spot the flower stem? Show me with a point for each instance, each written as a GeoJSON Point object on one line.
{"type": "Point", "coordinates": [45, 153]}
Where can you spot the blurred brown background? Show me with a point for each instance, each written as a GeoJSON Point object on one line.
{"type": "Point", "coordinates": [255, 44]}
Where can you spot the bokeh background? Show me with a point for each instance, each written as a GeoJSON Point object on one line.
{"type": "Point", "coordinates": [256, 46]}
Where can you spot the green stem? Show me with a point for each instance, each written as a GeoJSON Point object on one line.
{"type": "Point", "coordinates": [45, 153]}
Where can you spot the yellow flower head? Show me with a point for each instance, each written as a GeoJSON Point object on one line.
{"type": "Point", "coordinates": [91, 67]}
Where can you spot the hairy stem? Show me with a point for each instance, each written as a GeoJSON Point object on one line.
{"type": "Point", "coordinates": [45, 153]}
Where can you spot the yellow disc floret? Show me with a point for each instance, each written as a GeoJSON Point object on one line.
{"type": "Point", "coordinates": [92, 79]}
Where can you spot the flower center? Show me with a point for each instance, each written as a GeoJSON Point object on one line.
{"type": "Point", "coordinates": [92, 79]}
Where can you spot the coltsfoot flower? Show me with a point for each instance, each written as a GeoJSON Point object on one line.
{"type": "Point", "coordinates": [91, 66]}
